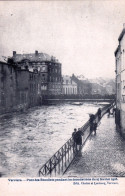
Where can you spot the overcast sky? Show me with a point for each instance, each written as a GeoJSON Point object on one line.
{"type": "Point", "coordinates": [83, 35]}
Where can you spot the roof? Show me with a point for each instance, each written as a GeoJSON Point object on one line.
{"type": "Point", "coordinates": [31, 57]}
{"type": "Point", "coordinates": [39, 57]}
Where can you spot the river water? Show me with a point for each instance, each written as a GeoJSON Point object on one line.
{"type": "Point", "coordinates": [29, 139]}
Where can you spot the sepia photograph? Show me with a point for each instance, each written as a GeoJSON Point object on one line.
{"type": "Point", "coordinates": [62, 92]}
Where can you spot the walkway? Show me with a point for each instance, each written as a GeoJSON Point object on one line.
{"type": "Point", "coordinates": [103, 154]}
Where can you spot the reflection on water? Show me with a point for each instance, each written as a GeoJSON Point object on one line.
{"type": "Point", "coordinates": [28, 140]}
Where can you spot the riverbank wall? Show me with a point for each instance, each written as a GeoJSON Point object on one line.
{"type": "Point", "coordinates": [74, 101]}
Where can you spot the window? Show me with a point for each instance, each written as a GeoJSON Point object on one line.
{"type": "Point", "coordinates": [43, 87]}
{"type": "Point", "coordinates": [3, 100]}
{"type": "Point", "coordinates": [31, 76]}
{"type": "Point", "coordinates": [123, 98]}
{"type": "Point", "coordinates": [2, 79]}
{"type": "Point", "coordinates": [67, 81]}
{"type": "Point", "coordinates": [43, 68]}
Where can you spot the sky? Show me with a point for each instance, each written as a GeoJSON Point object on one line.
{"type": "Point", "coordinates": [82, 35]}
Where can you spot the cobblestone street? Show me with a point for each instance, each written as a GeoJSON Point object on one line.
{"type": "Point", "coordinates": [102, 155]}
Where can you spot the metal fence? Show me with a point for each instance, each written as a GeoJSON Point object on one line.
{"type": "Point", "coordinates": [61, 160]}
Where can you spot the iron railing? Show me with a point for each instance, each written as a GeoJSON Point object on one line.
{"type": "Point", "coordinates": [61, 160]}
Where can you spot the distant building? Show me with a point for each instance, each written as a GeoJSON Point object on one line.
{"type": "Point", "coordinates": [69, 86]}
{"type": "Point", "coordinates": [120, 83]}
{"type": "Point", "coordinates": [98, 89]}
{"type": "Point", "coordinates": [110, 89]}
{"type": "Point", "coordinates": [83, 86]}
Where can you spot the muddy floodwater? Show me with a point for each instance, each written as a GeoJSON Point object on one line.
{"type": "Point", "coordinates": [29, 139]}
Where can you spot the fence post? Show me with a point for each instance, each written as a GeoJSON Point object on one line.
{"type": "Point", "coordinates": [45, 170]}
{"type": "Point", "coordinates": [62, 159]}
{"type": "Point", "coordinates": [68, 150]}
{"type": "Point", "coordinates": [50, 163]}
{"type": "Point", "coordinates": [65, 155]}
{"type": "Point", "coordinates": [59, 167]}
{"type": "Point", "coordinates": [55, 163]}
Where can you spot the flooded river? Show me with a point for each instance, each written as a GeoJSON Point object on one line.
{"type": "Point", "coordinates": [29, 139]}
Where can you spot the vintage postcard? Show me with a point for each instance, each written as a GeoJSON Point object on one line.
{"type": "Point", "coordinates": [62, 98]}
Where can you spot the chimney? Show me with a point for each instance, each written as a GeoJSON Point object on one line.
{"type": "Point", "coordinates": [36, 52]}
{"type": "Point", "coordinates": [14, 53]}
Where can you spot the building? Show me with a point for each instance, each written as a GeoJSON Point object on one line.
{"type": "Point", "coordinates": [69, 86]}
{"type": "Point", "coordinates": [103, 86]}
{"type": "Point", "coordinates": [7, 87]}
{"type": "Point", "coordinates": [48, 67]}
{"type": "Point", "coordinates": [35, 93]}
{"type": "Point", "coordinates": [83, 86]}
{"type": "Point", "coordinates": [120, 83]}
{"type": "Point", "coordinates": [54, 77]}
{"type": "Point", "coordinates": [22, 89]}
{"type": "Point", "coordinates": [26, 78]}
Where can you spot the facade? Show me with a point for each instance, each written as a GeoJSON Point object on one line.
{"type": "Point", "coordinates": [54, 77]}
{"type": "Point", "coordinates": [120, 83]}
{"type": "Point", "coordinates": [69, 86]}
{"type": "Point", "coordinates": [22, 90]}
{"type": "Point", "coordinates": [7, 87]}
{"type": "Point", "coordinates": [26, 78]}
{"type": "Point", "coordinates": [35, 93]}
